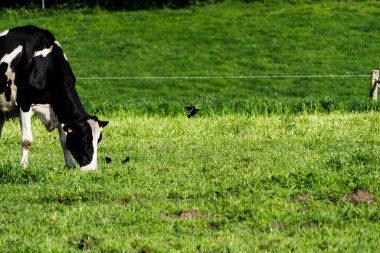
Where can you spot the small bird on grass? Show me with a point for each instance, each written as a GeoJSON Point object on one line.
{"type": "Point", "coordinates": [191, 110]}
{"type": "Point", "coordinates": [125, 160]}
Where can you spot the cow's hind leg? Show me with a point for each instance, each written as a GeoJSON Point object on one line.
{"type": "Point", "coordinates": [62, 137]}
{"type": "Point", "coordinates": [27, 137]}
{"type": "Point", "coordinates": [2, 120]}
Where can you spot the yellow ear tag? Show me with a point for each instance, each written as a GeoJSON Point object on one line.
{"type": "Point", "coordinates": [69, 130]}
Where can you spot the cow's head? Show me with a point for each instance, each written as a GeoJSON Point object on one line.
{"type": "Point", "coordinates": [82, 140]}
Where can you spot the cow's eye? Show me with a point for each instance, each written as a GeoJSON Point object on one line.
{"type": "Point", "coordinates": [100, 137]}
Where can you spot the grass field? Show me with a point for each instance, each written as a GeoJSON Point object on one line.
{"type": "Point", "coordinates": [275, 165]}
{"type": "Point", "coordinates": [219, 184]}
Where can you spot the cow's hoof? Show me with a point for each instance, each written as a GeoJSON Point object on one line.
{"type": "Point", "coordinates": [24, 164]}
{"type": "Point", "coordinates": [70, 166]}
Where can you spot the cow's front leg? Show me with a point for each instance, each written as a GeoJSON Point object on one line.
{"type": "Point", "coordinates": [62, 137]}
{"type": "Point", "coordinates": [27, 137]}
{"type": "Point", "coordinates": [2, 120]}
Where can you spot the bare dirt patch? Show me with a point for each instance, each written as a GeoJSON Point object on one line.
{"type": "Point", "coordinates": [303, 197]}
{"type": "Point", "coordinates": [359, 196]}
{"type": "Point", "coordinates": [184, 215]}
{"type": "Point", "coordinates": [276, 226]}
{"type": "Point", "coordinates": [190, 214]}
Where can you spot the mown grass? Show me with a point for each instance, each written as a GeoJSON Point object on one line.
{"type": "Point", "coordinates": [229, 39]}
{"type": "Point", "coordinates": [226, 183]}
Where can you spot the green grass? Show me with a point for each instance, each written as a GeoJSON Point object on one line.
{"type": "Point", "coordinates": [228, 183]}
{"type": "Point", "coordinates": [264, 166]}
{"type": "Point", "coordinates": [229, 39]}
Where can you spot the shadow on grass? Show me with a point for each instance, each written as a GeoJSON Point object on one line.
{"type": "Point", "coordinates": [14, 174]}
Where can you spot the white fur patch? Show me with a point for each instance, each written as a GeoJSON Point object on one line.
{"type": "Point", "coordinates": [64, 55]}
{"type": "Point", "coordinates": [57, 43]}
{"type": "Point", "coordinates": [8, 58]}
{"type": "Point", "coordinates": [4, 33]}
{"type": "Point", "coordinates": [11, 75]}
{"type": "Point", "coordinates": [44, 52]}
{"type": "Point", "coordinates": [47, 116]}
{"type": "Point", "coordinates": [96, 130]}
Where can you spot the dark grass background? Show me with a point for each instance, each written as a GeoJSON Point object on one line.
{"type": "Point", "coordinates": [228, 39]}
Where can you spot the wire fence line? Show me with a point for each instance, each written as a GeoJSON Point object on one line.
{"type": "Point", "coordinates": [218, 77]}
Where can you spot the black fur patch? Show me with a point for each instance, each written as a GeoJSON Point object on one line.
{"type": "Point", "coordinates": [3, 77]}
{"type": "Point", "coordinates": [8, 93]}
{"type": "Point", "coordinates": [79, 141]}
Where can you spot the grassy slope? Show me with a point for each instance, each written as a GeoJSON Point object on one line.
{"type": "Point", "coordinates": [226, 183]}
{"type": "Point", "coordinates": [222, 40]}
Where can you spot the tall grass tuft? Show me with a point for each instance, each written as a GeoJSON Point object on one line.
{"type": "Point", "coordinates": [216, 107]}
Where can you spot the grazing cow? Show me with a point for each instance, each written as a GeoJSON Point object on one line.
{"type": "Point", "coordinates": [36, 79]}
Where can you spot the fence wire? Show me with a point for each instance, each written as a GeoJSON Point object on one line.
{"type": "Point", "coordinates": [218, 77]}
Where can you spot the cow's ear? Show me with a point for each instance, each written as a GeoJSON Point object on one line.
{"type": "Point", "coordinates": [37, 72]}
{"type": "Point", "coordinates": [103, 123]}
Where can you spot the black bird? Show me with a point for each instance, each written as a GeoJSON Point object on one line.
{"type": "Point", "coordinates": [191, 110]}
{"type": "Point", "coordinates": [125, 160]}
{"type": "Point", "coordinates": [108, 160]}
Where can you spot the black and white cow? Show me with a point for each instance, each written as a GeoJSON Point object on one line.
{"type": "Point", "coordinates": [36, 79]}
